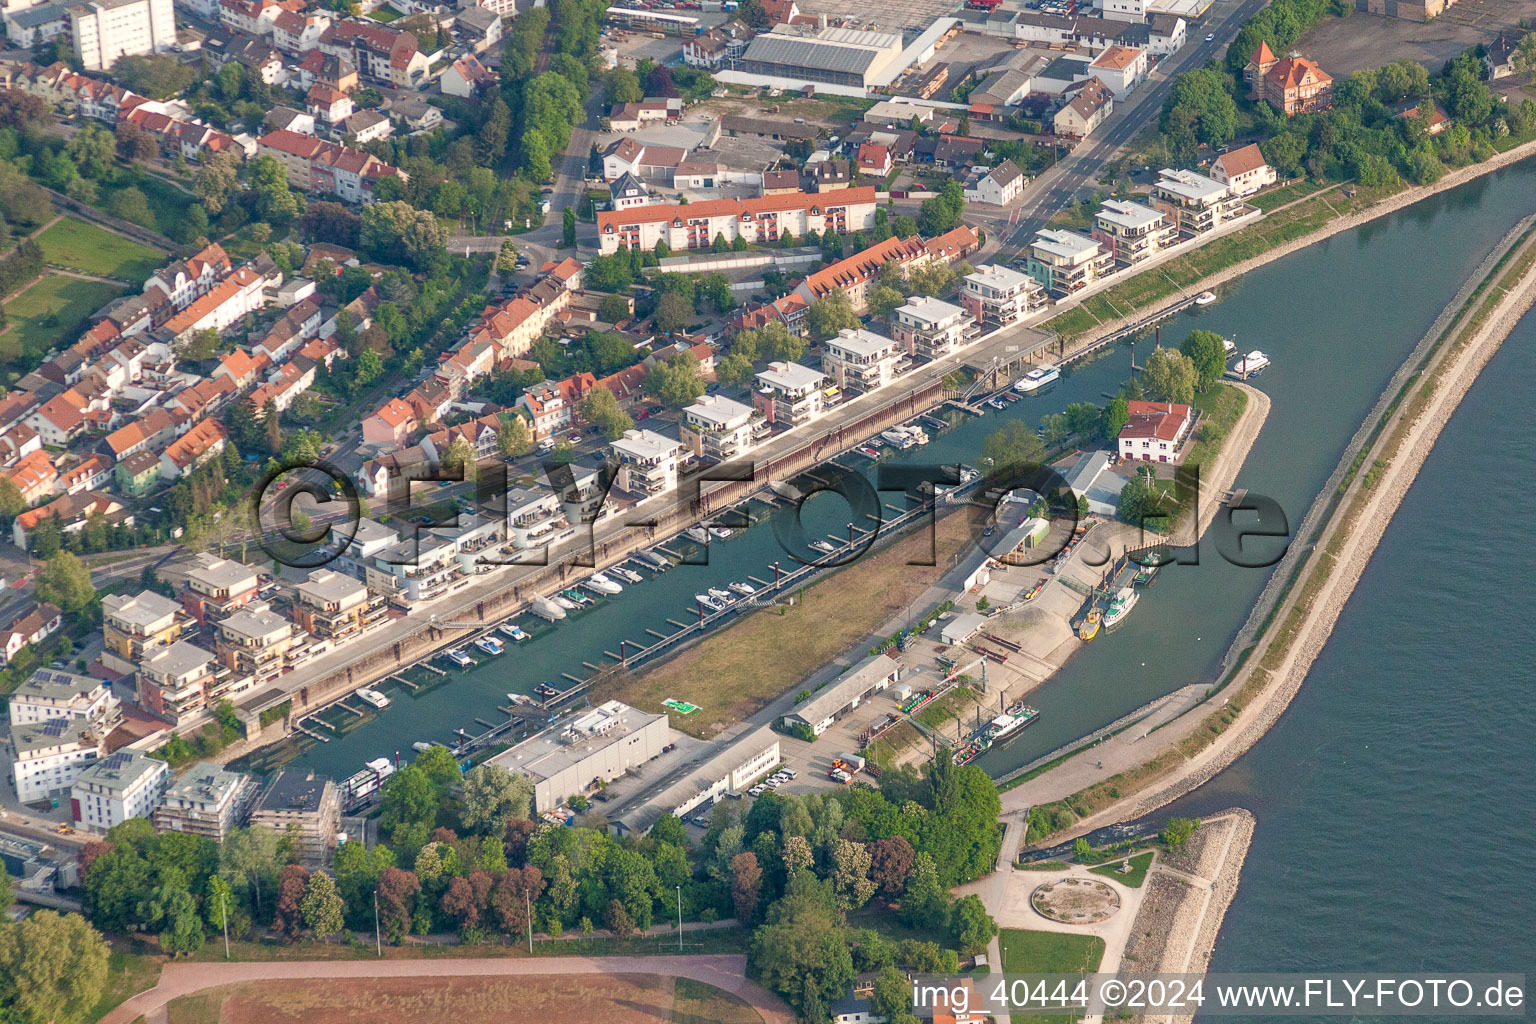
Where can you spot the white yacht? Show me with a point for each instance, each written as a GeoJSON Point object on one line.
{"type": "Point", "coordinates": [1250, 365]}
{"type": "Point", "coordinates": [514, 631]}
{"type": "Point", "coordinates": [459, 658]}
{"type": "Point", "coordinates": [373, 697]}
{"type": "Point", "coordinates": [1036, 379]}
{"type": "Point", "coordinates": [744, 589]}
{"type": "Point", "coordinates": [490, 645]}
{"type": "Point", "coordinates": [564, 602]}
{"type": "Point", "coordinates": [1205, 298]}
{"type": "Point", "coordinates": [697, 534]}
{"type": "Point", "coordinates": [603, 585]}
{"type": "Point", "coordinates": [547, 608]}
{"type": "Point", "coordinates": [1120, 606]}
{"type": "Point", "coordinates": [709, 603]}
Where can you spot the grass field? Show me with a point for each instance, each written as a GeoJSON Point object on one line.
{"type": "Point", "coordinates": [1132, 878]}
{"type": "Point", "coordinates": [1026, 952]}
{"type": "Point", "coordinates": [727, 675]}
{"type": "Point", "coordinates": [384, 15]}
{"type": "Point", "coordinates": [127, 975]}
{"type": "Point", "coordinates": [47, 313]}
{"type": "Point", "coordinates": [619, 999]}
{"type": "Point", "coordinates": [76, 245]}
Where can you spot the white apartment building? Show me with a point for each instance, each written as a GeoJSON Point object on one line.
{"type": "Point", "coordinates": [120, 786]}
{"type": "Point", "coordinates": [46, 756]}
{"type": "Point", "coordinates": [1067, 261]}
{"type": "Point", "coordinates": [51, 693]}
{"type": "Point", "coordinates": [764, 219]}
{"type": "Point", "coordinates": [997, 295]}
{"type": "Point", "coordinates": [862, 360]}
{"type": "Point", "coordinates": [104, 30]}
{"type": "Point", "coordinates": [647, 463]}
{"type": "Point", "coordinates": [790, 394]}
{"type": "Point", "coordinates": [1133, 232]}
{"type": "Point", "coordinates": [1195, 203]}
{"type": "Point", "coordinates": [207, 800]}
{"type": "Point", "coordinates": [536, 518]}
{"type": "Point", "coordinates": [931, 328]}
{"type": "Point", "coordinates": [718, 428]}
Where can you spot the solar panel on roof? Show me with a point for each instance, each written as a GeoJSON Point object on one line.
{"type": "Point", "coordinates": [55, 726]}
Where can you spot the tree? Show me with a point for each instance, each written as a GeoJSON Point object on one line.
{"type": "Point", "coordinates": [465, 898]}
{"type": "Point", "coordinates": [568, 227]}
{"type": "Point", "coordinates": [288, 920]}
{"type": "Point", "coordinates": [890, 862]}
{"type": "Point", "coordinates": [1171, 376]}
{"type": "Point", "coordinates": [11, 501]}
{"type": "Point", "coordinates": [892, 995]}
{"type": "Point", "coordinates": [802, 951]}
{"type": "Point", "coordinates": [1206, 351]}
{"type": "Point", "coordinates": [1199, 110]}
{"type": "Point", "coordinates": [53, 968]}
{"type": "Point", "coordinates": [1012, 447]}
{"type": "Point", "coordinates": [1177, 832]}
{"type": "Point", "coordinates": [492, 797]}
{"type": "Point", "coordinates": [826, 316]}
{"type": "Point", "coordinates": [601, 409]}
{"type": "Point", "coordinates": [459, 459]}
{"type": "Point", "coordinates": [746, 886]}
{"type": "Point", "coordinates": [883, 299]}
{"type": "Point", "coordinates": [735, 369]}
{"type": "Point", "coordinates": [275, 202]}
{"type": "Point", "coordinates": [673, 313]}
{"type": "Point", "coordinates": [617, 920]}
{"type": "Point", "coordinates": [513, 438]}
{"type": "Point", "coordinates": [132, 205]}
{"type": "Point", "coordinates": [924, 899]}
{"type": "Point", "coordinates": [398, 233]}
{"type": "Point", "coordinates": [940, 213]}
{"type": "Point", "coordinates": [397, 898]}
{"type": "Point", "coordinates": [506, 260]}
{"type": "Point", "coordinates": [970, 926]}
{"type": "Point", "coordinates": [1115, 416]}
{"type": "Point", "coordinates": [321, 907]}
{"type": "Point", "coordinates": [1142, 503]}
{"type": "Point", "coordinates": [613, 309]}
{"type": "Point", "coordinates": [677, 382]}
{"type": "Point", "coordinates": [511, 895]}
{"type": "Point", "coordinates": [850, 877]}
{"type": "Point", "coordinates": [66, 582]}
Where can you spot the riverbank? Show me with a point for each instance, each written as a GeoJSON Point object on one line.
{"type": "Point", "coordinates": [1084, 337]}
{"type": "Point", "coordinates": [1191, 750]}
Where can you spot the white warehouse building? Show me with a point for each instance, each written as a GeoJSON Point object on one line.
{"type": "Point", "coordinates": [596, 746]}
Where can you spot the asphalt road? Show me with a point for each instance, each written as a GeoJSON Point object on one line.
{"type": "Point", "coordinates": [1059, 186]}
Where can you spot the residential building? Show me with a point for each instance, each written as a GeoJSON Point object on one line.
{"type": "Point", "coordinates": [789, 394]}
{"type": "Point", "coordinates": [847, 692]}
{"type": "Point", "coordinates": [763, 219]}
{"type": "Point", "coordinates": [367, 126]}
{"type": "Point", "coordinates": [183, 680]}
{"type": "Point", "coordinates": [104, 30]}
{"type": "Point", "coordinates": [1067, 261]}
{"type": "Point", "coordinates": [1196, 203]}
{"type": "Point", "coordinates": [578, 754]}
{"type": "Point", "coordinates": [931, 328]}
{"type": "Point", "coordinates": [480, 29]}
{"type": "Point", "coordinates": [1292, 85]}
{"type": "Point", "coordinates": [134, 627]}
{"type": "Point", "coordinates": [1085, 111]}
{"type": "Point", "coordinates": [853, 275]}
{"type": "Point", "coordinates": [224, 304]}
{"type": "Point", "coordinates": [647, 463]}
{"type": "Point", "coordinates": [335, 607]}
{"type": "Point", "coordinates": [327, 104]}
{"type": "Point", "coordinates": [466, 76]}
{"type": "Point", "coordinates": [48, 755]}
{"type": "Point", "coordinates": [260, 643]}
{"type": "Point", "coordinates": [717, 428]}
{"type": "Point", "coordinates": [1243, 170]}
{"type": "Point", "coordinates": [115, 788]}
{"type": "Point", "coordinates": [628, 192]}
{"type": "Point", "coordinates": [71, 513]}
{"type": "Point", "coordinates": [1155, 431]}
{"type": "Point", "coordinates": [205, 440]}
{"type": "Point", "coordinates": [317, 166]}
{"type": "Point", "coordinates": [206, 800]}
{"type": "Point", "coordinates": [997, 186]}
{"type": "Point", "coordinates": [138, 474]}
{"type": "Point", "coordinates": [997, 295]}
{"type": "Point", "coordinates": [32, 626]}
{"type": "Point", "coordinates": [305, 807]}
{"type": "Point", "coordinates": [393, 424]}
{"type": "Point", "coordinates": [536, 518]}
{"type": "Point", "coordinates": [1133, 232]}
{"type": "Point", "coordinates": [217, 587]}
{"type": "Point", "coordinates": [51, 693]}
{"type": "Point", "coordinates": [1120, 68]}
{"type": "Point", "coordinates": [552, 405]}
{"type": "Point", "coordinates": [862, 361]}
{"type": "Point", "coordinates": [393, 58]}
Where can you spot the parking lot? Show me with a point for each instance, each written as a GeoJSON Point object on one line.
{"type": "Point", "coordinates": [1346, 45]}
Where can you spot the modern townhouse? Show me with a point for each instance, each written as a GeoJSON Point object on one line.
{"type": "Point", "coordinates": [931, 328]}
{"type": "Point", "coordinates": [648, 463]}
{"type": "Point", "coordinates": [1197, 204]}
{"type": "Point", "coordinates": [789, 394]}
{"type": "Point", "coordinates": [718, 428]}
{"type": "Point", "coordinates": [1067, 261]}
{"type": "Point", "coordinates": [764, 219]}
{"type": "Point", "coordinates": [1133, 232]}
{"type": "Point", "coordinates": [997, 295]}
{"type": "Point", "coordinates": [860, 360]}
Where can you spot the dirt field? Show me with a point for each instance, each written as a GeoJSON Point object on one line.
{"type": "Point", "coordinates": [1346, 45]}
{"type": "Point", "coordinates": [735, 672]}
{"type": "Point", "coordinates": [623, 999]}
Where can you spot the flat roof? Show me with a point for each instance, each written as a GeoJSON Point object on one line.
{"type": "Point", "coordinates": [329, 585]}
{"type": "Point", "coordinates": [55, 684]}
{"type": "Point", "coordinates": [1067, 244]}
{"type": "Point", "coordinates": [860, 342]}
{"type": "Point", "coordinates": [294, 792]}
{"type": "Point", "coordinates": [570, 741]}
{"type": "Point", "coordinates": [142, 609]}
{"type": "Point", "coordinates": [205, 782]}
{"type": "Point", "coordinates": [996, 275]}
{"type": "Point", "coordinates": [718, 409]}
{"type": "Point", "coordinates": [1190, 184]}
{"type": "Point", "coordinates": [255, 623]}
{"type": "Point", "coordinates": [51, 732]}
{"type": "Point", "coordinates": [929, 309]}
{"type": "Point", "coordinates": [790, 376]}
{"type": "Point", "coordinates": [218, 572]}
{"type": "Point", "coordinates": [840, 50]}
{"type": "Point", "coordinates": [121, 771]}
{"type": "Point", "coordinates": [179, 658]}
{"type": "Point", "coordinates": [1130, 215]}
{"type": "Point", "coordinates": [646, 444]}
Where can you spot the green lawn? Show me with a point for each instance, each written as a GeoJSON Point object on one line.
{"type": "Point", "coordinates": [1026, 952]}
{"type": "Point", "coordinates": [1132, 878]}
{"type": "Point", "coordinates": [128, 974]}
{"type": "Point", "coordinates": [46, 314]}
{"type": "Point", "coordinates": [76, 245]}
{"type": "Point", "coordinates": [384, 15]}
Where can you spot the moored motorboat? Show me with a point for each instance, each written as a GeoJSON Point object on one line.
{"type": "Point", "coordinates": [459, 658]}
{"type": "Point", "coordinates": [490, 645]}
{"type": "Point", "coordinates": [626, 574]}
{"type": "Point", "coordinates": [603, 585]}
{"type": "Point", "coordinates": [421, 746]}
{"type": "Point", "coordinates": [1205, 298]}
{"type": "Point", "coordinates": [707, 602]}
{"type": "Point", "coordinates": [1089, 627]}
{"type": "Point", "coordinates": [821, 545]}
{"type": "Point", "coordinates": [1120, 606]}
{"type": "Point", "coordinates": [656, 560]}
{"type": "Point", "coordinates": [719, 532]}
{"type": "Point", "coordinates": [744, 589]}
{"type": "Point", "coordinates": [1250, 365]}
{"type": "Point", "coordinates": [868, 452]}
{"type": "Point", "coordinates": [697, 534]}
{"type": "Point", "coordinates": [1036, 379]}
{"type": "Point", "coordinates": [373, 697]}
{"type": "Point", "coordinates": [513, 631]}
{"type": "Point", "coordinates": [997, 403]}
{"type": "Point", "coordinates": [720, 594]}
{"type": "Point", "coordinates": [564, 602]}
{"type": "Point", "coordinates": [547, 608]}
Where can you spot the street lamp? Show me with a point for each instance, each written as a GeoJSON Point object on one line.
{"type": "Point", "coordinates": [679, 919]}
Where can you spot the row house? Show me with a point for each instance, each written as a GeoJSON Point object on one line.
{"type": "Point", "coordinates": [789, 310]}
{"type": "Point", "coordinates": [190, 140]}
{"type": "Point", "coordinates": [135, 626]}
{"type": "Point", "coordinates": [241, 368]}
{"type": "Point", "coordinates": [788, 394]}
{"type": "Point", "coordinates": [261, 61]}
{"type": "Point", "coordinates": [72, 512]}
{"type": "Point", "coordinates": [199, 444]}
{"type": "Point", "coordinates": [718, 428]}
{"type": "Point", "coordinates": [32, 626]}
{"type": "Point", "coordinates": [17, 442]}
{"type": "Point", "coordinates": [862, 361]}
{"type": "Point", "coordinates": [1067, 261]}
{"type": "Point", "coordinates": [697, 225]}
{"type": "Point", "coordinates": [150, 431]}
{"type": "Point", "coordinates": [296, 326]}
{"type": "Point", "coordinates": [336, 607]}
{"type": "Point", "coordinates": [853, 275]}
{"type": "Point", "coordinates": [466, 364]}
{"type": "Point", "coordinates": [35, 476]}
{"type": "Point", "coordinates": [138, 474]}
{"type": "Point", "coordinates": [392, 423]}
{"type": "Point", "coordinates": [283, 388]}
{"type": "Point", "coordinates": [228, 302]}
{"type": "Point", "coordinates": [997, 295]}
{"type": "Point", "coordinates": [89, 474]}
{"type": "Point", "coordinates": [931, 328]}
{"type": "Point", "coordinates": [296, 32]}
{"type": "Point", "coordinates": [1195, 203]}
{"type": "Point", "coordinates": [315, 165]}
{"type": "Point", "coordinates": [648, 463]}
{"type": "Point", "coordinates": [186, 280]}
{"type": "Point", "coordinates": [1088, 108]}
{"type": "Point", "coordinates": [326, 69]}
{"type": "Point", "coordinates": [203, 397]}
{"type": "Point", "coordinates": [394, 58]}
{"type": "Point", "coordinates": [1133, 232]}
{"type": "Point", "coordinates": [61, 419]}
{"type": "Point", "coordinates": [626, 385]}
{"type": "Point", "coordinates": [480, 434]}
{"type": "Point", "coordinates": [254, 17]}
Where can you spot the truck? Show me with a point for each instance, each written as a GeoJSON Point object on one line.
{"type": "Point", "coordinates": [853, 763]}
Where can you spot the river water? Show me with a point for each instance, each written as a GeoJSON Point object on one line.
{"type": "Point", "coordinates": [1336, 319]}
